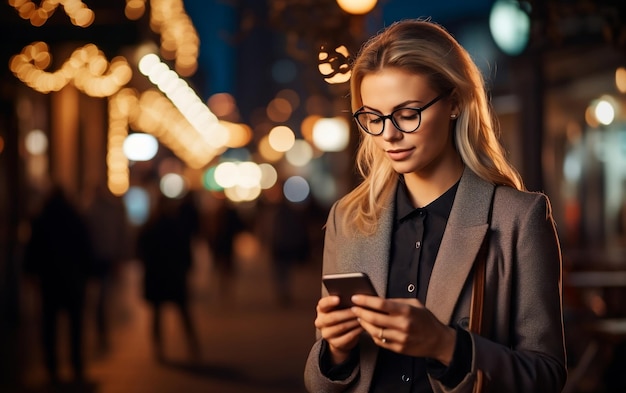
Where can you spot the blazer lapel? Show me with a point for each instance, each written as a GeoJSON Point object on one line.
{"type": "Point", "coordinates": [369, 254]}
{"type": "Point", "coordinates": [373, 251]}
{"type": "Point", "coordinates": [466, 229]}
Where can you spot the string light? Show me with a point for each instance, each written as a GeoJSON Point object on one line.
{"type": "Point", "coordinates": [80, 15]}
{"type": "Point", "coordinates": [87, 67]}
{"type": "Point", "coordinates": [179, 39]}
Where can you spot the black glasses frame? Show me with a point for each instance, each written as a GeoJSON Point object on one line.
{"type": "Point", "coordinates": [393, 121]}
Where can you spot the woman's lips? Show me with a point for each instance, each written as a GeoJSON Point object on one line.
{"type": "Point", "coordinates": [399, 154]}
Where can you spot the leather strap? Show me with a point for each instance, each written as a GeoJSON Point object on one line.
{"type": "Point", "coordinates": [478, 294]}
{"type": "Point", "coordinates": [476, 305]}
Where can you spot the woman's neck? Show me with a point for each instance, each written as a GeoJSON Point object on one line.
{"type": "Point", "coordinates": [426, 186]}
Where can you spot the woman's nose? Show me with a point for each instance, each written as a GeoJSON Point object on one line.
{"type": "Point", "coordinates": [390, 131]}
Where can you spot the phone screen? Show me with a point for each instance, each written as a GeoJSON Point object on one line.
{"type": "Point", "coordinates": [345, 285]}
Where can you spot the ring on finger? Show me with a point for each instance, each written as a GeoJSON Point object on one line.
{"type": "Point", "coordinates": [381, 337]}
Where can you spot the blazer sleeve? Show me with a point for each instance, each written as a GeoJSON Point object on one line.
{"type": "Point", "coordinates": [314, 380]}
{"type": "Point", "coordinates": [523, 350]}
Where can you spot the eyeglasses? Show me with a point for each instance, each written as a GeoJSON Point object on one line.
{"type": "Point", "coordinates": [407, 120]}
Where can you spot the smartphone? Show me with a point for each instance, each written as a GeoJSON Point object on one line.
{"type": "Point", "coordinates": [345, 285]}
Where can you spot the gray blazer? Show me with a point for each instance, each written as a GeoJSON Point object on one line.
{"type": "Point", "coordinates": [521, 348]}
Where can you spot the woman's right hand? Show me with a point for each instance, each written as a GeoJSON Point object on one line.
{"type": "Point", "coordinates": [340, 328]}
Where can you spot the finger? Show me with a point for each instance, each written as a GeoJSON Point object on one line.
{"type": "Point", "coordinates": [328, 303]}
{"type": "Point", "coordinates": [346, 341]}
{"type": "Point", "coordinates": [331, 327]}
{"type": "Point", "coordinates": [342, 329]}
{"type": "Point", "coordinates": [382, 336]}
{"type": "Point", "coordinates": [372, 302]}
{"type": "Point", "coordinates": [334, 317]}
{"type": "Point", "coordinates": [376, 318]}
{"type": "Point", "coordinates": [409, 301]}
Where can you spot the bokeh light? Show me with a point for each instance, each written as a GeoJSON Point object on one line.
{"type": "Point", "coordinates": [249, 175]}
{"type": "Point", "coordinates": [173, 185]}
{"type": "Point", "coordinates": [604, 112]}
{"type": "Point", "coordinates": [281, 138]}
{"type": "Point", "coordinates": [620, 79]}
{"type": "Point", "coordinates": [226, 174]}
{"type": "Point", "coordinates": [222, 104]}
{"type": "Point", "coordinates": [279, 110]}
{"type": "Point", "coordinates": [357, 7]}
{"type": "Point", "coordinates": [137, 202]}
{"type": "Point", "coordinates": [300, 154]}
{"type": "Point", "coordinates": [267, 151]}
{"type": "Point", "coordinates": [331, 134]}
{"type": "Point", "coordinates": [209, 182]}
{"type": "Point", "coordinates": [269, 176]}
{"type": "Point", "coordinates": [510, 26]}
{"type": "Point", "coordinates": [36, 142]}
{"type": "Point", "coordinates": [296, 189]}
{"type": "Point", "coordinates": [140, 147]}
{"type": "Point", "coordinates": [291, 96]}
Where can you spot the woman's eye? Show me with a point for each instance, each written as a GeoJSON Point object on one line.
{"type": "Point", "coordinates": [407, 114]}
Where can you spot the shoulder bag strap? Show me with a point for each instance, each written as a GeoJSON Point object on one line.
{"type": "Point", "coordinates": [476, 305]}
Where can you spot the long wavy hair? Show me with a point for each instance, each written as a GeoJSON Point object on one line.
{"type": "Point", "coordinates": [424, 47]}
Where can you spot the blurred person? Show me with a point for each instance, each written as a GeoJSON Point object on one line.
{"type": "Point", "coordinates": [222, 226]}
{"type": "Point", "coordinates": [108, 226]}
{"type": "Point", "coordinates": [437, 203]}
{"type": "Point", "coordinates": [289, 245]}
{"type": "Point", "coordinates": [59, 257]}
{"type": "Point", "coordinates": [164, 248]}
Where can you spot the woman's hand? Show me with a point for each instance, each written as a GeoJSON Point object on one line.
{"type": "Point", "coordinates": [405, 326]}
{"type": "Point", "coordinates": [339, 328]}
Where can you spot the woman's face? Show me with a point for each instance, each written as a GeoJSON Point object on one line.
{"type": "Point", "coordinates": [425, 151]}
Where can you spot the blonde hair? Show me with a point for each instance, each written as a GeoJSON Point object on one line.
{"type": "Point", "coordinates": [425, 48]}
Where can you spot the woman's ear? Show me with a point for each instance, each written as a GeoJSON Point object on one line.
{"type": "Point", "coordinates": [455, 108]}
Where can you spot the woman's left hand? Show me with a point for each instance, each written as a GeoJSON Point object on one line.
{"type": "Point", "coordinates": [405, 326]}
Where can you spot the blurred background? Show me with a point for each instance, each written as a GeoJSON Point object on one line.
{"type": "Point", "coordinates": [166, 168]}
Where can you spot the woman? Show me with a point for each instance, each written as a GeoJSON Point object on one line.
{"type": "Point", "coordinates": [436, 187]}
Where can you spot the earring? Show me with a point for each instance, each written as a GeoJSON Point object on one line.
{"type": "Point", "coordinates": [453, 116]}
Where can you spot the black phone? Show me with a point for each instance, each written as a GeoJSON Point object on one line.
{"type": "Point", "coordinates": [345, 285]}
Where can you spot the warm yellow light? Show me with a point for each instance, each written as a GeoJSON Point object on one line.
{"type": "Point", "coordinates": [179, 39]}
{"type": "Point", "coordinates": [281, 138]}
{"type": "Point", "coordinates": [267, 152]}
{"type": "Point", "coordinates": [306, 127]}
{"type": "Point", "coordinates": [239, 134]}
{"type": "Point", "coordinates": [222, 104]}
{"type": "Point", "coordinates": [279, 110]}
{"type": "Point", "coordinates": [87, 68]}
{"type": "Point", "coordinates": [135, 9]}
{"type": "Point", "coordinates": [620, 79]}
{"type": "Point", "coordinates": [80, 15]}
{"type": "Point", "coordinates": [357, 7]}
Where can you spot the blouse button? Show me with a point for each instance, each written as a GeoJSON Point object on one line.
{"type": "Point", "coordinates": [411, 288]}
{"type": "Point", "coordinates": [406, 378]}
{"type": "Point", "coordinates": [418, 244]}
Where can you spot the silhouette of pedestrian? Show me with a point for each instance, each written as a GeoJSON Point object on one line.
{"type": "Point", "coordinates": [223, 225]}
{"type": "Point", "coordinates": [164, 247]}
{"type": "Point", "coordinates": [289, 245]}
{"type": "Point", "coordinates": [108, 226]}
{"type": "Point", "coordinates": [58, 255]}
